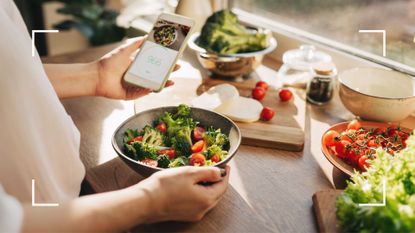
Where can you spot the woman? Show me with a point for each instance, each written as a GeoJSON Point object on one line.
{"type": "Point", "coordinates": [38, 140]}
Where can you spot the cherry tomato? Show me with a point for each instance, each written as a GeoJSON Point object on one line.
{"type": "Point", "coordinates": [354, 124]}
{"type": "Point", "coordinates": [340, 147]}
{"type": "Point", "coordinates": [197, 160]}
{"type": "Point", "coordinates": [352, 156]}
{"type": "Point", "coordinates": [198, 133]}
{"type": "Point", "coordinates": [372, 143]}
{"type": "Point", "coordinates": [169, 152]}
{"type": "Point", "coordinates": [362, 162]}
{"type": "Point", "coordinates": [215, 158]}
{"type": "Point", "coordinates": [392, 132]}
{"type": "Point", "coordinates": [345, 137]}
{"type": "Point", "coordinates": [329, 138]}
{"type": "Point", "coordinates": [285, 95]}
{"type": "Point", "coordinates": [198, 146]}
{"type": "Point", "coordinates": [262, 84]}
{"type": "Point", "coordinates": [136, 139]}
{"type": "Point", "coordinates": [149, 162]}
{"type": "Point", "coordinates": [267, 114]}
{"type": "Point", "coordinates": [258, 93]}
{"type": "Point", "coordinates": [162, 127]}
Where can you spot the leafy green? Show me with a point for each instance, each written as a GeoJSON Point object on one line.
{"type": "Point", "coordinates": [179, 161]}
{"type": "Point", "coordinates": [216, 137]}
{"type": "Point", "coordinates": [399, 213]}
{"type": "Point", "coordinates": [215, 149]}
{"type": "Point", "coordinates": [222, 33]}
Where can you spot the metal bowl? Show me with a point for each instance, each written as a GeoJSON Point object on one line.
{"type": "Point", "coordinates": [230, 65]}
{"type": "Point", "coordinates": [205, 117]}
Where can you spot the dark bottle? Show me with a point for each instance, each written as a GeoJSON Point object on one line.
{"type": "Point", "coordinates": [320, 87]}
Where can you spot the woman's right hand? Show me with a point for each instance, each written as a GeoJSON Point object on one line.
{"type": "Point", "coordinates": [176, 194]}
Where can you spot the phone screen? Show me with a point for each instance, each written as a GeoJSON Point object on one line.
{"type": "Point", "coordinates": [159, 51]}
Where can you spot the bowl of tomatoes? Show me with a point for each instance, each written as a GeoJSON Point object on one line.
{"type": "Point", "coordinates": [349, 145]}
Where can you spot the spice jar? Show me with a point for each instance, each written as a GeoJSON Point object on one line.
{"type": "Point", "coordinates": [320, 86]}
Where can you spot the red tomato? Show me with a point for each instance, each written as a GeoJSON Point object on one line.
{"type": "Point", "coordinates": [362, 162]}
{"type": "Point", "coordinates": [197, 160]}
{"type": "Point", "coordinates": [169, 152]}
{"type": "Point", "coordinates": [354, 124]}
{"type": "Point", "coordinates": [262, 84]}
{"type": "Point", "coordinates": [267, 114]}
{"type": "Point", "coordinates": [372, 143]}
{"type": "Point", "coordinates": [285, 95]}
{"type": "Point", "coordinates": [198, 133]}
{"type": "Point", "coordinates": [215, 158]}
{"type": "Point", "coordinates": [392, 132]}
{"type": "Point", "coordinates": [352, 157]}
{"type": "Point", "coordinates": [258, 93]}
{"type": "Point", "coordinates": [162, 127]}
{"type": "Point", "coordinates": [329, 138]}
{"type": "Point", "coordinates": [136, 139]}
{"type": "Point", "coordinates": [340, 147]}
{"type": "Point", "coordinates": [149, 162]}
{"type": "Point", "coordinates": [344, 137]}
{"type": "Point", "coordinates": [198, 146]}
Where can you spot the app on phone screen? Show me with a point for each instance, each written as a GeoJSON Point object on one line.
{"type": "Point", "coordinates": [159, 51]}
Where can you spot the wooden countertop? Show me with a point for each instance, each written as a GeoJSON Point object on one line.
{"type": "Point", "coordinates": [270, 191]}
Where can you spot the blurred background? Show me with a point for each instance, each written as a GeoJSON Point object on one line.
{"type": "Point", "coordinates": [85, 23]}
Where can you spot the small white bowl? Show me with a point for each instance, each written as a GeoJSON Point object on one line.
{"type": "Point", "coordinates": [377, 94]}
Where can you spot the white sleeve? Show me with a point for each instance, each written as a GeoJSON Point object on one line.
{"type": "Point", "coordinates": [11, 213]}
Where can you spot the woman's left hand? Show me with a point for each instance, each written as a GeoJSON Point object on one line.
{"type": "Point", "coordinates": [111, 69]}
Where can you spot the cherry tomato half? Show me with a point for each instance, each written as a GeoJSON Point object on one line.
{"type": "Point", "coordinates": [198, 133]}
{"type": "Point", "coordinates": [267, 114]}
{"type": "Point", "coordinates": [198, 146]}
{"type": "Point", "coordinates": [197, 160]}
{"type": "Point", "coordinates": [329, 137]}
{"type": "Point", "coordinates": [215, 158]}
{"type": "Point", "coordinates": [262, 85]}
{"type": "Point", "coordinates": [169, 152]}
{"type": "Point", "coordinates": [136, 139]}
{"type": "Point", "coordinates": [354, 124]}
{"type": "Point", "coordinates": [285, 95]}
{"type": "Point", "coordinates": [258, 93]}
{"type": "Point", "coordinates": [162, 127]}
{"type": "Point", "coordinates": [362, 162]}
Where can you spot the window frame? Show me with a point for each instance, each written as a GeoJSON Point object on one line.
{"type": "Point", "coordinates": [345, 56]}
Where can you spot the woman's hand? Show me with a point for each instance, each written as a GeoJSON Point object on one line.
{"type": "Point", "coordinates": [176, 194]}
{"type": "Point", "coordinates": [111, 69]}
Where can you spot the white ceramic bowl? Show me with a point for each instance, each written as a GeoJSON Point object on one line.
{"type": "Point", "coordinates": [377, 94]}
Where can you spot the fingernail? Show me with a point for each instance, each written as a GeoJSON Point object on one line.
{"type": "Point", "coordinates": [222, 172]}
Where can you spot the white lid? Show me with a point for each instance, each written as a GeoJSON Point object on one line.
{"type": "Point", "coordinates": [304, 57]}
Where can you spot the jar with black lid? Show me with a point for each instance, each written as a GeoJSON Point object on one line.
{"type": "Point", "coordinates": [320, 87]}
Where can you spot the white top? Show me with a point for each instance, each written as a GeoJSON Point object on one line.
{"type": "Point", "coordinates": [38, 140]}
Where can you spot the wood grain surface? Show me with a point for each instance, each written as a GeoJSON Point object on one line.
{"type": "Point", "coordinates": [324, 203]}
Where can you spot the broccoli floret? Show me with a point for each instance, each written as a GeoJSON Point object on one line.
{"type": "Point", "coordinates": [130, 151]}
{"type": "Point", "coordinates": [222, 33]}
{"type": "Point", "coordinates": [183, 111]}
{"type": "Point", "coordinates": [152, 136]}
{"type": "Point", "coordinates": [179, 161]}
{"type": "Point", "coordinates": [182, 141]}
{"type": "Point", "coordinates": [144, 150]}
{"type": "Point", "coordinates": [216, 137]}
{"type": "Point", "coordinates": [215, 150]}
{"type": "Point", "coordinates": [163, 161]}
{"type": "Point", "coordinates": [130, 134]}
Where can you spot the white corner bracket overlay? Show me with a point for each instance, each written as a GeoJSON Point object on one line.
{"type": "Point", "coordinates": [383, 38]}
{"type": "Point", "coordinates": [33, 37]}
{"type": "Point", "coordinates": [34, 204]}
{"type": "Point", "coordinates": [384, 197]}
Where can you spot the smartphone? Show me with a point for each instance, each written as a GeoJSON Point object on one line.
{"type": "Point", "coordinates": [159, 53]}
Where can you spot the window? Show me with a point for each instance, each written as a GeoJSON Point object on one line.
{"type": "Point", "coordinates": [341, 20]}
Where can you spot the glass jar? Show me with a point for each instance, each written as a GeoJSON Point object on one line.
{"type": "Point", "coordinates": [320, 86]}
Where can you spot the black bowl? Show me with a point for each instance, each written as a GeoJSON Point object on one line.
{"type": "Point", "coordinates": [205, 117]}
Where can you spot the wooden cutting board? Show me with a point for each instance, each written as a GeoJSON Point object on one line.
{"type": "Point", "coordinates": [285, 131]}
{"type": "Point", "coordinates": [324, 203]}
